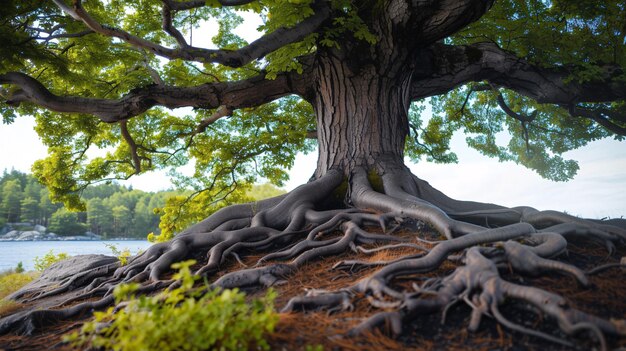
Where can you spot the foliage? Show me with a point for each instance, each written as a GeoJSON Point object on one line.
{"type": "Point", "coordinates": [262, 145]}
{"type": "Point", "coordinates": [11, 281]}
{"type": "Point", "coordinates": [112, 210]}
{"type": "Point", "coordinates": [261, 142]}
{"type": "Point", "coordinates": [121, 255]}
{"type": "Point", "coordinates": [180, 319]}
{"type": "Point", "coordinates": [41, 263]}
{"type": "Point", "coordinates": [66, 222]}
{"type": "Point", "coordinates": [578, 36]}
{"type": "Point", "coordinates": [19, 268]}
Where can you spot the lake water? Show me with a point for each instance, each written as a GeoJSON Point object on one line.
{"type": "Point", "coordinates": [13, 252]}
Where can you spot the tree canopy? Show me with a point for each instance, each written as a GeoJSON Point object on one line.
{"type": "Point", "coordinates": [545, 75]}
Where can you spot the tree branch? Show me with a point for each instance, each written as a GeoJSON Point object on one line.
{"type": "Point", "coordinates": [238, 94]}
{"type": "Point", "coordinates": [518, 116]}
{"type": "Point", "coordinates": [442, 67]}
{"type": "Point", "coordinates": [170, 29]}
{"type": "Point", "coordinates": [136, 162]}
{"type": "Point", "coordinates": [601, 116]}
{"type": "Point", "coordinates": [188, 5]}
{"type": "Point", "coordinates": [233, 58]}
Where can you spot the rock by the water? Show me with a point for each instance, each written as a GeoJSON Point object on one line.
{"type": "Point", "coordinates": [30, 235]}
{"type": "Point", "coordinates": [40, 228]}
{"type": "Point", "coordinates": [73, 266]}
{"type": "Point", "coordinates": [12, 234]}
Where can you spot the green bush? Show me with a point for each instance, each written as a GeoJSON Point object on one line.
{"type": "Point", "coordinates": [180, 319]}
{"type": "Point", "coordinates": [48, 259]}
{"type": "Point", "coordinates": [19, 268]}
{"type": "Point", "coordinates": [122, 255]}
{"type": "Point", "coordinates": [11, 281]}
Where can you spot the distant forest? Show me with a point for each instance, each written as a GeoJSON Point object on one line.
{"type": "Point", "coordinates": [113, 210]}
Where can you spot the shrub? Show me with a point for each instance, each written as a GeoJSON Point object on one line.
{"type": "Point", "coordinates": [48, 259]}
{"type": "Point", "coordinates": [183, 318]}
{"type": "Point", "coordinates": [11, 281]}
{"type": "Point", "coordinates": [122, 255]}
{"type": "Point", "coordinates": [19, 268]}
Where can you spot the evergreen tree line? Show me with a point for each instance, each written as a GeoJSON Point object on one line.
{"type": "Point", "coordinates": [112, 210]}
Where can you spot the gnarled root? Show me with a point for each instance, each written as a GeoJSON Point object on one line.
{"type": "Point", "coordinates": [275, 238]}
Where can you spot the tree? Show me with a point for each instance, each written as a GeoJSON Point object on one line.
{"type": "Point", "coordinates": [121, 220]}
{"type": "Point", "coordinates": [29, 210]}
{"type": "Point", "coordinates": [11, 200]}
{"type": "Point", "coordinates": [343, 74]}
{"type": "Point", "coordinates": [99, 217]}
{"type": "Point", "coordinates": [47, 208]}
{"type": "Point", "coordinates": [65, 223]}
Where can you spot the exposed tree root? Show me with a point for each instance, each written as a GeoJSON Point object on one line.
{"type": "Point", "coordinates": [304, 225]}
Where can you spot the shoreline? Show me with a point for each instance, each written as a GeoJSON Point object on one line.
{"type": "Point", "coordinates": [73, 239]}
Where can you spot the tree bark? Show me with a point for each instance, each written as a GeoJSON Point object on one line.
{"type": "Point", "coordinates": [361, 116]}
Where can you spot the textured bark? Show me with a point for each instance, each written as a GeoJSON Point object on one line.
{"type": "Point", "coordinates": [234, 95]}
{"type": "Point", "coordinates": [361, 116]}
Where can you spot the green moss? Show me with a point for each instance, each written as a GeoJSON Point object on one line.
{"type": "Point", "coordinates": [376, 181]}
{"type": "Point", "coordinates": [339, 194]}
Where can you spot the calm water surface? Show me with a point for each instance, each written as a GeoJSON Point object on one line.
{"type": "Point", "coordinates": [13, 252]}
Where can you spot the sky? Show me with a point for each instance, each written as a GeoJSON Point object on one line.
{"type": "Point", "coordinates": [597, 191]}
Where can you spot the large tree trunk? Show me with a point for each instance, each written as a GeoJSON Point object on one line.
{"type": "Point", "coordinates": [361, 116]}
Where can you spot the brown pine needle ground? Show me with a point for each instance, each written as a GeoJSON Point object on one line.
{"type": "Point", "coordinates": [301, 331]}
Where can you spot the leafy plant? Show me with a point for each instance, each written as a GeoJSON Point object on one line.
{"type": "Point", "coordinates": [19, 268]}
{"type": "Point", "coordinates": [180, 319]}
{"type": "Point", "coordinates": [122, 255]}
{"type": "Point", "coordinates": [11, 281]}
{"type": "Point", "coordinates": [48, 259]}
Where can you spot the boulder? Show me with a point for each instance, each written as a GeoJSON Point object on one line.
{"type": "Point", "coordinates": [30, 235]}
{"type": "Point", "coordinates": [93, 236]}
{"type": "Point", "coordinates": [40, 228]}
{"type": "Point", "coordinates": [81, 267]}
{"type": "Point", "coordinates": [12, 234]}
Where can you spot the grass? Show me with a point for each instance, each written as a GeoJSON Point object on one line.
{"type": "Point", "coordinates": [11, 281]}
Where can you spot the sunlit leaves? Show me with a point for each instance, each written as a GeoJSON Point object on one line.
{"type": "Point", "coordinates": [431, 140]}
{"type": "Point", "coordinates": [537, 144]}
{"type": "Point", "coordinates": [181, 318]}
{"type": "Point", "coordinates": [578, 37]}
